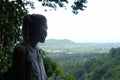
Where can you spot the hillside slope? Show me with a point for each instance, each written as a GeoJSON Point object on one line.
{"type": "Point", "coordinates": [67, 46]}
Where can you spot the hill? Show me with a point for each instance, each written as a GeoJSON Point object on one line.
{"type": "Point", "coordinates": [68, 46]}
{"type": "Point", "coordinates": [85, 61]}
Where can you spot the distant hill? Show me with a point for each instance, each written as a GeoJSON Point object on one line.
{"type": "Point", "coordinates": [58, 41]}
{"type": "Point", "coordinates": [68, 46]}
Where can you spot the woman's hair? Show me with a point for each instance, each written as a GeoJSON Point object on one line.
{"type": "Point", "coordinates": [31, 23]}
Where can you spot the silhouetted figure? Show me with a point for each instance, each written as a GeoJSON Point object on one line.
{"type": "Point", "coordinates": [27, 63]}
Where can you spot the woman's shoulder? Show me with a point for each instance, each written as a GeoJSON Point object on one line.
{"type": "Point", "coordinates": [19, 52]}
{"type": "Point", "coordinates": [21, 47]}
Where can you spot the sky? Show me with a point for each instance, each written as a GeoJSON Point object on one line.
{"type": "Point", "coordinates": [98, 23]}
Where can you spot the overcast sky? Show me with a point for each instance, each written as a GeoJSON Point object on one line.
{"type": "Point", "coordinates": [98, 23]}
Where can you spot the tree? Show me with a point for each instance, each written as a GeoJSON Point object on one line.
{"type": "Point", "coordinates": [112, 52]}
{"type": "Point", "coordinates": [11, 13]}
{"type": "Point", "coordinates": [10, 22]}
{"type": "Point", "coordinates": [76, 5]}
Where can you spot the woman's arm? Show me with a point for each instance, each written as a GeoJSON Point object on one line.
{"type": "Point", "coordinates": [19, 65]}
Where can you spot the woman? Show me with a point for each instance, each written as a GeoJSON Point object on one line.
{"type": "Point", "coordinates": [27, 63]}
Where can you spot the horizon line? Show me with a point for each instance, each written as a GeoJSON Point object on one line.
{"type": "Point", "coordinates": [89, 41]}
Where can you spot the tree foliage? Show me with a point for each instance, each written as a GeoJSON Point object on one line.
{"type": "Point", "coordinates": [11, 13]}
{"type": "Point", "coordinates": [52, 68]}
{"type": "Point", "coordinates": [104, 67]}
{"type": "Point", "coordinates": [76, 5]}
{"type": "Point", "coordinates": [10, 21]}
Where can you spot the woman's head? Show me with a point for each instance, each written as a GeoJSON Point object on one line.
{"type": "Point", "coordinates": [34, 28]}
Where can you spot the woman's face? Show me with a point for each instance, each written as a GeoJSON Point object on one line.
{"type": "Point", "coordinates": [41, 34]}
{"type": "Point", "coordinates": [38, 35]}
